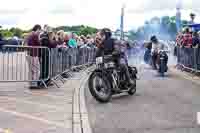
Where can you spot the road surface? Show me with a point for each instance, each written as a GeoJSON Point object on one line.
{"type": "Point", "coordinates": [161, 105]}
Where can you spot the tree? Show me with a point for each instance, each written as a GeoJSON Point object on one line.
{"type": "Point", "coordinates": [16, 32]}
{"type": "Point", "coordinates": [6, 33]}
{"type": "Point", "coordinates": [80, 29]}
{"type": "Point", "coordinates": [87, 30]}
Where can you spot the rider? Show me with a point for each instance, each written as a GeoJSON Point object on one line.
{"type": "Point", "coordinates": [156, 47]}
{"type": "Point", "coordinates": [109, 46]}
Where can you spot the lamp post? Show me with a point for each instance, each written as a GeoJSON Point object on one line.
{"type": "Point", "coordinates": [122, 23]}
{"type": "Point", "coordinates": [178, 15]}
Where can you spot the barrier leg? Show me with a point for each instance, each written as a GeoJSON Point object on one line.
{"type": "Point", "coordinates": [54, 82]}
{"type": "Point", "coordinates": [45, 85]}
{"type": "Point", "coordinates": [61, 79]}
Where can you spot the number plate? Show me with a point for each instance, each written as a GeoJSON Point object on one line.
{"type": "Point", "coordinates": [99, 60]}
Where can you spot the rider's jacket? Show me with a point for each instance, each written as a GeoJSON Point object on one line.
{"type": "Point", "coordinates": [106, 48]}
{"type": "Point", "coordinates": [158, 46]}
{"type": "Point", "coordinates": [114, 48]}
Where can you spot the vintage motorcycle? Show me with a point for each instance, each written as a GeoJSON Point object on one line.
{"type": "Point", "coordinates": [162, 63]}
{"type": "Point", "coordinates": [107, 79]}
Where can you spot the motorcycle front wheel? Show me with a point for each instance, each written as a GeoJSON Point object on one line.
{"type": "Point", "coordinates": [162, 68]}
{"type": "Point", "coordinates": [100, 87]}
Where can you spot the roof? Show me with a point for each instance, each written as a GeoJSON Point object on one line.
{"type": "Point", "coordinates": [195, 26]}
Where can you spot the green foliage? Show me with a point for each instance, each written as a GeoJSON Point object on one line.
{"type": "Point", "coordinates": [87, 30]}
{"type": "Point", "coordinates": [11, 32]}
{"type": "Point", "coordinates": [6, 33]}
{"type": "Point", "coordinates": [80, 29]}
{"type": "Point", "coordinates": [16, 32]}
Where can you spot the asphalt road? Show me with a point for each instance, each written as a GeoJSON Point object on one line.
{"type": "Point", "coordinates": [161, 105]}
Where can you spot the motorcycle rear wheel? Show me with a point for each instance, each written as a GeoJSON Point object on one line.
{"type": "Point", "coordinates": [94, 90]}
{"type": "Point", "coordinates": [132, 91]}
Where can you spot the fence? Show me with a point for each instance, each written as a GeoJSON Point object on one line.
{"type": "Point", "coordinates": [189, 58]}
{"type": "Point", "coordinates": [40, 64]}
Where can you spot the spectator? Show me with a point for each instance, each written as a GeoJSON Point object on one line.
{"type": "Point", "coordinates": [13, 41]}
{"type": "Point", "coordinates": [90, 41]}
{"type": "Point", "coordinates": [80, 42]}
{"type": "Point", "coordinates": [179, 39]}
{"type": "Point", "coordinates": [92, 44]}
{"type": "Point", "coordinates": [52, 40]}
{"type": "Point", "coordinates": [98, 40]}
{"type": "Point", "coordinates": [44, 54]}
{"type": "Point", "coordinates": [187, 38]}
{"type": "Point", "coordinates": [2, 42]}
{"type": "Point", "coordinates": [88, 38]}
{"type": "Point", "coordinates": [34, 65]}
{"type": "Point", "coordinates": [61, 39]}
{"type": "Point", "coordinates": [84, 40]}
{"type": "Point", "coordinates": [44, 39]}
{"type": "Point", "coordinates": [1, 37]}
{"type": "Point", "coordinates": [66, 39]}
{"type": "Point", "coordinates": [33, 39]}
{"type": "Point", "coordinates": [72, 41]}
{"type": "Point", "coordinates": [195, 40]}
{"type": "Point", "coordinates": [25, 39]}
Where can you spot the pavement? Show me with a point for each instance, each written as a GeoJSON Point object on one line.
{"type": "Point", "coordinates": [52, 110]}
{"type": "Point", "coordinates": [161, 105]}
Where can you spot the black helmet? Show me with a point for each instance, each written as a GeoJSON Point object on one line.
{"type": "Point", "coordinates": [154, 39]}
{"type": "Point", "coordinates": [192, 15]}
{"type": "Point", "coordinates": [107, 32]}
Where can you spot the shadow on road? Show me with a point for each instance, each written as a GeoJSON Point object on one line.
{"type": "Point", "coordinates": [123, 97]}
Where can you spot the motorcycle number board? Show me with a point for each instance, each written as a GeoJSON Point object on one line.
{"type": "Point", "coordinates": [99, 60]}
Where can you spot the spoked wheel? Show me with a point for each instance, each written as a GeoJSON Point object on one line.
{"type": "Point", "coordinates": [132, 90]}
{"type": "Point", "coordinates": [100, 87]}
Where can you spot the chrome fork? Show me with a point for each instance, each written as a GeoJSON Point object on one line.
{"type": "Point", "coordinates": [114, 78]}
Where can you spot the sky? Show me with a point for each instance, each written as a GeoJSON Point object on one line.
{"type": "Point", "coordinates": [97, 13]}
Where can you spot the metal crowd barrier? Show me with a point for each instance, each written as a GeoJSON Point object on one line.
{"type": "Point", "coordinates": [41, 64]}
{"type": "Point", "coordinates": [23, 64]}
{"type": "Point", "coordinates": [189, 58]}
{"type": "Point", "coordinates": [63, 60]}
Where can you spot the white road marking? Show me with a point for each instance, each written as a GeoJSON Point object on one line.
{"type": "Point", "coordinates": [5, 130]}
{"type": "Point", "coordinates": [198, 118]}
{"type": "Point", "coordinates": [29, 102]}
{"type": "Point", "coordinates": [33, 118]}
{"type": "Point", "coordinates": [1, 130]}
{"type": "Point", "coordinates": [43, 94]}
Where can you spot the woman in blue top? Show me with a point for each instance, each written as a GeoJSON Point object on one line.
{"type": "Point", "coordinates": [72, 41]}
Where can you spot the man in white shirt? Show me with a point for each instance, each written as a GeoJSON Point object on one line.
{"type": "Point", "coordinates": [156, 47]}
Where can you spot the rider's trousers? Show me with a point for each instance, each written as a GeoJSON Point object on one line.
{"type": "Point", "coordinates": [124, 68]}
